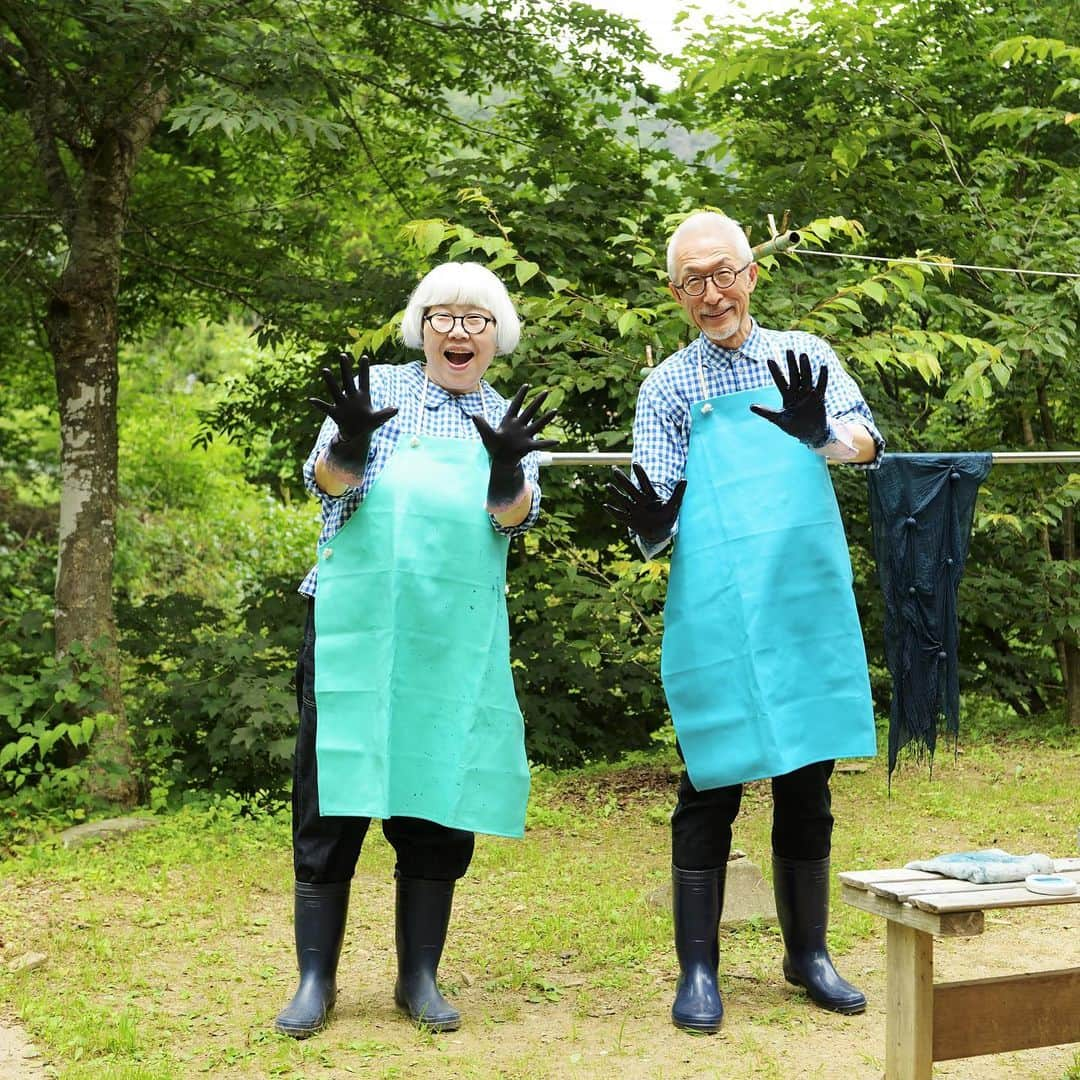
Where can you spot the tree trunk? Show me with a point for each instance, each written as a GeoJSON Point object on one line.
{"type": "Point", "coordinates": [1066, 646]}
{"type": "Point", "coordinates": [81, 323]}
{"type": "Point", "coordinates": [1072, 695]}
{"type": "Point", "coordinates": [1070, 667]}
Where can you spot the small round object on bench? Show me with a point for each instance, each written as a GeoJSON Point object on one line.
{"type": "Point", "coordinates": [1050, 884]}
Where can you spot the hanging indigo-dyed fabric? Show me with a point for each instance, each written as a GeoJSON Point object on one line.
{"type": "Point", "coordinates": [921, 509]}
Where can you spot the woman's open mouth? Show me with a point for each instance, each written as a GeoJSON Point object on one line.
{"type": "Point", "coordinates": [458, 358]}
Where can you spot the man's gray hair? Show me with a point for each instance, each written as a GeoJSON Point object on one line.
{"type": "Point", "coordinates": [461, 283]}
{"type": "Point", "coordinates": [700, 222]}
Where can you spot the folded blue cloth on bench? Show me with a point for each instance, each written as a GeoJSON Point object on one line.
{"type": "Point", "coordinates": [985, 867]}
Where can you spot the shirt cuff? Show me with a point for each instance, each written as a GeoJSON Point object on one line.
{"type": "Point", "coordinates": [841, 444]}
{"type": "Point", "coordinates": [650, 551]}
{"type": "Point", "coordinates": [530, 519]}
{"type": "Point", "coordinates": [344, 475]}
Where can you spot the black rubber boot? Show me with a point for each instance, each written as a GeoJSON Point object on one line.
{"type": "Point", "coordinates": [697, 898]}
{"type": "Point", "coordinates": [320, 912]}
{"type": "Point", "coordinates": [801, 887]}
{"type": "Point", "coordinates": [422, 917]}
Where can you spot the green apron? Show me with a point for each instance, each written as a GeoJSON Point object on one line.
{"type": "Point", "coordinates": [763, 661]}
{"type": "Point", "coordinates": [417, 714]}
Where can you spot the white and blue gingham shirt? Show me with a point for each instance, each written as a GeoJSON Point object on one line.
{"type": "Point", "coordinates": [446, 416]}
{"type": "Point", "coordinates": [662, 419]}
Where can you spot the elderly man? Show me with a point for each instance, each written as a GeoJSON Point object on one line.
{"type": "Point", "coordinates": [763, 661]}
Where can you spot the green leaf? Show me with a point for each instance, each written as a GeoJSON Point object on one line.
{"type": "Point", "coordinates": [849, 152]}
{"type": "Point", "coordinates": [428, 235]}
{"type": "Point", "coordinates": [876, 291]}
{"type": "Point", "coordinates": [48, 740]}
{"type": "Point", "coordinates": [525, 271]}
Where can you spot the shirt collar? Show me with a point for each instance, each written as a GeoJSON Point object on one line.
{"type": "Point", "coordinates": [754, 348]}
{"type": "Point", "coordinates": [436, 396]}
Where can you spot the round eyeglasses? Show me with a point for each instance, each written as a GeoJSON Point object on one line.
{"type": "Point", "coordinates": [442, 322]}
{"type": "Point", "coordinates": [724, 278]}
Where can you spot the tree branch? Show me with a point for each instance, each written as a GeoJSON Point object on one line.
{"type": "Point", "coordinates": [213, 287]}
{"type": "Point", "coordinates": [421, 103]}
{"type": "Point", "coordinates": [335, 99]}
{"type": "Point", "coordinates": [262, 208]}
{"type": "Point", "coordinates": [914, 103]}
{"type": "Point", "coordinates": [393, 191]}
{"type": "Point", "coordinates": [40, 93]}
{"type": "Point", "coordinates": [9, 62]}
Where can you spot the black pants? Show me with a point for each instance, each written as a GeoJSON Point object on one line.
{"type": "Point", "coordinates": [325, 849]}
{"type": "Point", "coordinates": [802, 819]}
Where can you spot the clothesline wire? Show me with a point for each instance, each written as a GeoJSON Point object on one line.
{"type": "Point", "coordinates": [941, 264]}
{"type": "Point", "coordinates": [998, 457]}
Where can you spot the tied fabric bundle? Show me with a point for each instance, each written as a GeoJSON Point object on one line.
{"type": "Point", "coordinates": [921, 510]}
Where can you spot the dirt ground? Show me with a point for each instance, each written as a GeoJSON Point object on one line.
{"type": "Point", "coordinates": [575, 1026]}
{"type": "Point", "coordinates": [19, 1058]}
{"type": "Point", "coordinates": [768, 1031]}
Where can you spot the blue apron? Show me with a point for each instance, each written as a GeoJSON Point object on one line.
{"type": "Point", "coordinates": [763, 661]}
{"type": "Point", "coordinates": [417, 714]}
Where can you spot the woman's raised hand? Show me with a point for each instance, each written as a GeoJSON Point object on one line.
{"type": "Point", "coordinates": [350, 408]}
{"type": "Point", "coordinates": [509, 443]}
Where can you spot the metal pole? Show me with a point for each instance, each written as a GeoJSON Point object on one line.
{"type": "Point", "coordinates": [1009, 457]}
{"type": "Point", "coordinates": [1035, 457]}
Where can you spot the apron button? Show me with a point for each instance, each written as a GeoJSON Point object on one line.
{"type": "Point", "coordinates": [328, 553]}
{"type": "Point", "coordinates": [706, 409]}
{"type": "Point", "coordinates": [414, 441]}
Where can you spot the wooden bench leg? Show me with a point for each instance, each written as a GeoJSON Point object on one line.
{"type": "Point", "coordinates": [909, 1005]}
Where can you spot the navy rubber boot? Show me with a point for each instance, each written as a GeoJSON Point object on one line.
{"type": "Point", "coordinates": [421, 920]}
{"type": "Point", "coordinates": [697, 900]}
{"type": "Point", "coordinates": [801, 888]}
{"type": "Point", "coordinates": [319, 921]}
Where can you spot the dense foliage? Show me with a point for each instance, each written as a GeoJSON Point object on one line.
{"type": "Point", "coordinates": [929, 128]}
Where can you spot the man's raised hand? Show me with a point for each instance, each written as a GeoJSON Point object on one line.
{"type": "Point", "coordinates": [803, 414]}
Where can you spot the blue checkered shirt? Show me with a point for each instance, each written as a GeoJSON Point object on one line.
{"type": "Point", "coordinates": [446, 415]}
{"type": "Point", "coordinates": [662, 418]}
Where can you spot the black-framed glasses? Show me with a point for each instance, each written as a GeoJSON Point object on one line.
{"type": "Point", "coordinates": [442, 322]}
{"type": "Point", "coordinates": [724, 278]}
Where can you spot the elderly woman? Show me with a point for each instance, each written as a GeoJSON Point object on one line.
{"type": "Point", "coordinates": [407, 706]}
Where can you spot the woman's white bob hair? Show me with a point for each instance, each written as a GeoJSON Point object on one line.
{"type": "Point", "coordinates": [461, 283]}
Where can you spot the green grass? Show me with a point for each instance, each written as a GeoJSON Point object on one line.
{"type": "Point", "coordinates": [169, 950]}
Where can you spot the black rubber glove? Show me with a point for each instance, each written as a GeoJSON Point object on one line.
{"type": "Point", "coordinates": [641, 509]}
{"type": "Point", "coordinates": [352, 412]}
{"type": "Point", "coordinates": [509, 443]}
{"type": "Point", "coordinates": [803, 415]}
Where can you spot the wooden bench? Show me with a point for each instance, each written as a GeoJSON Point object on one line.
{"type": "Point", "coordinates": [928, 1022]}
